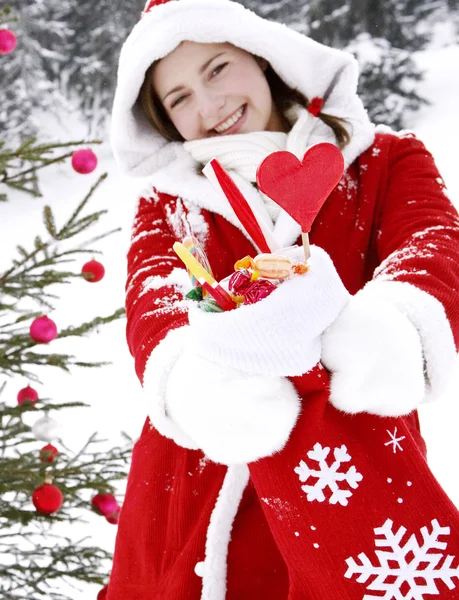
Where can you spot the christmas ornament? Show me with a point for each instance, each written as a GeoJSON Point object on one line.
{"type": "Point", "coordinates": [114, 518]}
{"type": "Point", "coordinates": [43, 330]}
{"type": "Point", "coordinates": [47, 499]}
{"type": "Point", "coordinates": [102, 595]}
{"type": "Point", "coordinates": [48, 453]}
{"type": "Point", "coordinates": [8, 41]}
{"type": "Point", "coordinates": [105, 504]}
{"type": "Point", "coordinates": [84, 161]}
{"type": "Point", "coordinates": [93, 271]}
{"type": "Point", "coordinates": [301, 188]}
{"type": "Point", "coordinates": [27, 395]}
{"type": "Point", "coordinates": [46, 429]}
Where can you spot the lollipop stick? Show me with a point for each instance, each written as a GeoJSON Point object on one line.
{"type": "Point", "coordinates": [306, 248]}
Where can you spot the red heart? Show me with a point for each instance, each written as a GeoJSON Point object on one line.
{"type": "Point", "coordinates": [301, 188]}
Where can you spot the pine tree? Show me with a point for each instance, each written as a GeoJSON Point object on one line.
{"type": "Point", "coordinates": [97, 36]}
{"type": "Point", "coordinates": [380, 33]}
{"type": "Point", "coordinates": [46, 491]}
{"type": "Point", "coordinates": [30, 77]}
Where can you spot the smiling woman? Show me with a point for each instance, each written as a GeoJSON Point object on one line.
{"type": "Point", "coordinates": [247, 408]}
{"type": "Point", "coordinates": [217, 77]}
{"type": "Point", "coordinates": [204, 87]}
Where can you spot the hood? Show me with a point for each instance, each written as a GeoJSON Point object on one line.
{"type": "Point", "coordinates": [312, 68]}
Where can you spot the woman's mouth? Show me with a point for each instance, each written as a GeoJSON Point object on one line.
{"type": "Point", "coordinates": [232, 122]}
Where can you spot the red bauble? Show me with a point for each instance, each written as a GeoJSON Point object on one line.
{"type": "Point", "coordinates": [48, 453]}
{"type": "Point", "coordinates": [102, 595]}
{"type": "Point", "coordinates": [7, 41]}
{"type": "Point", "coordinates": [93, 271]}
{"type": "Point", "coordinates": [43, 330]}
{"type": "Point", "coordinates": [84, 161]}
{"type": "Point", "coordinates": [115, 517]}
{"type": "Point", "coordinates": [105, 504]}
{"type": "Point", "coordinates": [27, 395]}
{"type": "Point", "coordinates": [47, 498]}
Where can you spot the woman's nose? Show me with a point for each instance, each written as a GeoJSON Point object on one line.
{"type": "Point", "coordinates": [210, 104]}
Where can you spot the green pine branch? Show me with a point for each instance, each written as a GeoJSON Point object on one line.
{"type": "Point", "coordinates": [19, 167]}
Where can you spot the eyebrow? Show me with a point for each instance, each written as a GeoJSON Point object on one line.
{"type": "Point", "coordinates": [201, 70]}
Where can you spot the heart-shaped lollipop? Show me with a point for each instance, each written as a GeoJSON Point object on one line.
{"type": "Point", "coordinates": [301, 188]}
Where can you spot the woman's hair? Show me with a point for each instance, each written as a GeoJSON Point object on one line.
{"type": "Point", "coordinates": [284, 98]}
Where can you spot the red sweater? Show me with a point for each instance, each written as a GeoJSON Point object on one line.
{"type": "Point", "coordinates": [390, 213]}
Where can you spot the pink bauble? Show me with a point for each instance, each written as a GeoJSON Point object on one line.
{"type": "Point", "coordinates": [28, 395]}
{"type": "Point", "coordinates": [7, 41]}
{"type": "Point", "coordinates": [47, 498]}
{"type": "Point", "coordinates": [84, 161]}
{"type": "Point", "coordinates": [115, 517]}
{"type": "Point", "coordinates": [43, 330]}
{"type": "Point", "coordinates": [105, 504]}
{"type": "Point", "coordinates": [93, 271]}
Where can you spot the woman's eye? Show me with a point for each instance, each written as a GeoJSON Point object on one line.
{"type": "Point", "coordinates": [218, 69]}
{"type": "Point", "coordinates": [177, 101]}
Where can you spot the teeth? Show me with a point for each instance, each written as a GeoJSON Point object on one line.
{"type": "Point", "coordinates": [230, 122]}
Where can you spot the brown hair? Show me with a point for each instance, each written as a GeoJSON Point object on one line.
{"type": "Point", "coordinates": [284, 97]}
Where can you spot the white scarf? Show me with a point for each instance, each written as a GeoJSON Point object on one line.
{"type": "Point", "coordinates": [243, 153]}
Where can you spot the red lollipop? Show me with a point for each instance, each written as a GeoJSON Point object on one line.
{"type": "Point", "coordinates": [301, 188]}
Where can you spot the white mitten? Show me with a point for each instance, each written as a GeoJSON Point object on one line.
{"type": "Point", "coordinates": [374, 353]}
{"type": "Point", "coordinates": [233, 417]}
{"type": "Point", "coordinates": [281, 334]}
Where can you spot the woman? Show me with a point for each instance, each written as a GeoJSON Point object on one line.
{"type": "Point", "coordinates": [325, 464]}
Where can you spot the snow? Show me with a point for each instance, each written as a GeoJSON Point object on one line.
{"type": "Point", "coordinates": [113, 392]}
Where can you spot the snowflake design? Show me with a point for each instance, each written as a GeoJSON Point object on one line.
{"type": "Point", "coordinates": [418, 573]}
{"type": "Point", "coordinates": [328, 476]}
{"type": "Point", "coordinates": [395, 441]}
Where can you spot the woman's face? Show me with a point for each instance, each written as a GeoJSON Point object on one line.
{"type": "Point", "coordinates": [214, 89]}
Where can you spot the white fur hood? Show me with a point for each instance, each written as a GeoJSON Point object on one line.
{"type": "Point", "coordinates": [316, 70]}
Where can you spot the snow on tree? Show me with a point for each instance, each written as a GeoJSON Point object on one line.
{"type": "Point", "coordinates": [381, 33]}
{"type": "Point", "coordinates": [30, 76]}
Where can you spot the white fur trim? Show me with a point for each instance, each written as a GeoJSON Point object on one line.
{"type": "Point", "coordinates": [375, 356]}
{"type": "Point", "coordinates": [281, 335]}
{"type": "Point", "coordinates": [428, 316]}
{"type": "Point", "coordinates": [214, 569]}
{"type": "Point", "coordinates": [314, 69]}
{"type": "Point", "coordinates": [234, 417]}
{"type": "Point", "coordinates": [157, 370]}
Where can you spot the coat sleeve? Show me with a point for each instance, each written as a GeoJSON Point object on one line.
{"type": "Point", "coordinates": [157, 314]}
{"type": "Point", "coordinates": [418, 248]}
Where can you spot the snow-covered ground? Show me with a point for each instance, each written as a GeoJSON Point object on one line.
{"type": "Point", "coordinates": [113, 392]}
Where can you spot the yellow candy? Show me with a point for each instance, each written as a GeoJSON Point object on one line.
{"type": "Point", "coordinates": [244, 263]}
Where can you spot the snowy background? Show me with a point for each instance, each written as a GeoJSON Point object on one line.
{"type": "Point", "coordinates": [113, 393]}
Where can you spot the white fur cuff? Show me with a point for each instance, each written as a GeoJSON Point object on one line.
{"type": "Point", "coordinates": [233, 417]}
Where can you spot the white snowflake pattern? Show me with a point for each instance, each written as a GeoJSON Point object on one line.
{"type": "Point", "coordinates": [328, 476]}
{"type": "Point", "coordinates": [394, 440]}
{"type": "Point", "coordinates": [417, 566]}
